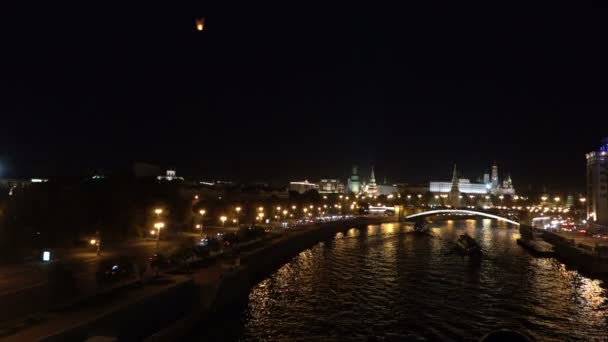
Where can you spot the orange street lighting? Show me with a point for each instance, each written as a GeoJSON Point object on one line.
{"type": "Point", "coordinates": [158, 211]}
{"type": "Point", "coordinates": [238, 211]}
{"type": "Point", "coordinates": [158, 226]}
{"type": "Point", "coordinates": [223, 219]}
{"type": "Point", "coordinates": [93, 242]}
{"type": "Point", "coordinates": [200, 24]}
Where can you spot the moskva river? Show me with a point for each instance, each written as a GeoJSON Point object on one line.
{"type": "Point", "coordinates": [385, 283]}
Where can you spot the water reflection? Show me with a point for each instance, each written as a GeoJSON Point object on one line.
{"type": "Point", "coordinates": [381, 281]}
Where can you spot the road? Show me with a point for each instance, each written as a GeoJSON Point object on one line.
{"type": "Point", "coordinates": [584, 239]}
{"type": "Point", "coordinates": [25, 287]}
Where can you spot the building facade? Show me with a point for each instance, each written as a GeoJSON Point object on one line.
{"type": "Point", "coordinates": [489, 185]}
{"type": "Point", "coordinates": [597, 184]}
{"type": "Point", "coordinates": [372, 187]}
{"type": "Point", "coordinates": [331, 186]}
{"type": "Point", "coordinates": [303, 186]}
{"type": "Point", "coordinates": [354, 184]}
{"type": "Point", "coordinates": [464, 185]}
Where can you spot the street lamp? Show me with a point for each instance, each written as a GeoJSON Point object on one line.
{"type": "Point", "coordinates": [158, 211]}
{"type": "Point", "coordinates": [202, 212]}
{"type": "Point", "coordinates": [158, 226]}
{"type": "Point", "coordinates": [223, 219]}
{"type": "Point", "coordinates": [238, 211]}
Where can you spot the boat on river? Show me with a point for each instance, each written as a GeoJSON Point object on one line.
{"type": "Point", "coordinates": [420, 229]}
{"type": "Point", "coordinates": [466, 245]}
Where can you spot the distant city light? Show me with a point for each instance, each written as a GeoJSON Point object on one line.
{"type": "Point", "coordinates": [200, 24]}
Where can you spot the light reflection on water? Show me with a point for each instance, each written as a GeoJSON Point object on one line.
{"type": "Point", "coordinates": [383, 281]}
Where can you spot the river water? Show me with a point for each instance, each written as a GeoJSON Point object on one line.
{"type": "Point", "coordinates": [387, 283]}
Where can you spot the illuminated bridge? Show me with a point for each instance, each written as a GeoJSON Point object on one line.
{"type": "Point", "coordinates": [461, 211]}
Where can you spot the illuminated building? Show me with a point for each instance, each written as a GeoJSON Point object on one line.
{"type": "Point", "coordinates": [465, 186]}
{"type": "Point", "coordinates": [169, 176]}
{"type": "Point", "coordinates": [372, 188]}
{"type": "Point", "coordinates": [329, 186]}
{"type": "Point", "coordinates": [597, 183]}
{"type": "Point", "coordinates": [354, 185]}
{"type": "Point", "coordinates": [387, 189]}
{"type": "Point", "coordinates": [454, 190]}
{"type": "Point", "coordinates": [494, 177]}
{"type": "Point", "coordinates": [302, 187]}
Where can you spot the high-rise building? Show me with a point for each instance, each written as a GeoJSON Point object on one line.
{"type": "Point", "coordinates": [597, 183]}
{"type": "Point", "coordinates": [354, 185]}
{"type": "Point", "coordinates": [455, 191]}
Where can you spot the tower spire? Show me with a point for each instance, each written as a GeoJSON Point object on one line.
{"type": "Point", "coordinates": [372, 188]}
{"type": "Point", "coordinates": [455, 191]}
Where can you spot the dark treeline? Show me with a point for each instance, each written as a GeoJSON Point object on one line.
{"type": "Point", "coordinates": [61, 214]}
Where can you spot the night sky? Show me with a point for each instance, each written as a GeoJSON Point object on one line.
{"type": "Point", "coordinates": [290, 90]}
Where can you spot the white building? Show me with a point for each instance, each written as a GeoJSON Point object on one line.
{"type": "Point", "coordinates": [464, 186]}
{"type": "Point", "coordinates": [331, 186]}
{"type": "Point", "coordinates": [597, 183]}
{"type": "Point", "coordinates": [303, 186]}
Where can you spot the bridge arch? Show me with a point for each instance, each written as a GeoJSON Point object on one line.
{"type": "Point", "coordinates": [461, 211]}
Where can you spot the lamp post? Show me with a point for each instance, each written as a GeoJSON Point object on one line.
{"type": "Point", "coordinates": [158, 226]}
{"type": "Point", "coordinates": [202, 212]}
{"type": "Point", "coordinates": [238, 211]}
{"type": "Point", "coordinates": [223, 219]}
{"type": "Point", "coordinates": [582, 200]}
{"type": "Point", "coordinates": [158, 211]}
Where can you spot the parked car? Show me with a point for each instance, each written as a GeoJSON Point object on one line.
{"type": "Point", "coordinates": [113, 270]}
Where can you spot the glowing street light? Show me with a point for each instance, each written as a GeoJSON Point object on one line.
{"type": "Point", "coordinates": [158, 211]}
{"type": "Point", "coordinates": [223, 219]}
{"type": "Point", "coordinates": [202, 212]}
{"type": "Point", "coordinates": [158, 226]}
{"type": "Point", "coordinates": [583, 199]}
{"type": "Point", "coordinates": [238, 212]}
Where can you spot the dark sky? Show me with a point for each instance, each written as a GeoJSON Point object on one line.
{"type": "Point", "coordinates": [303, 89]}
